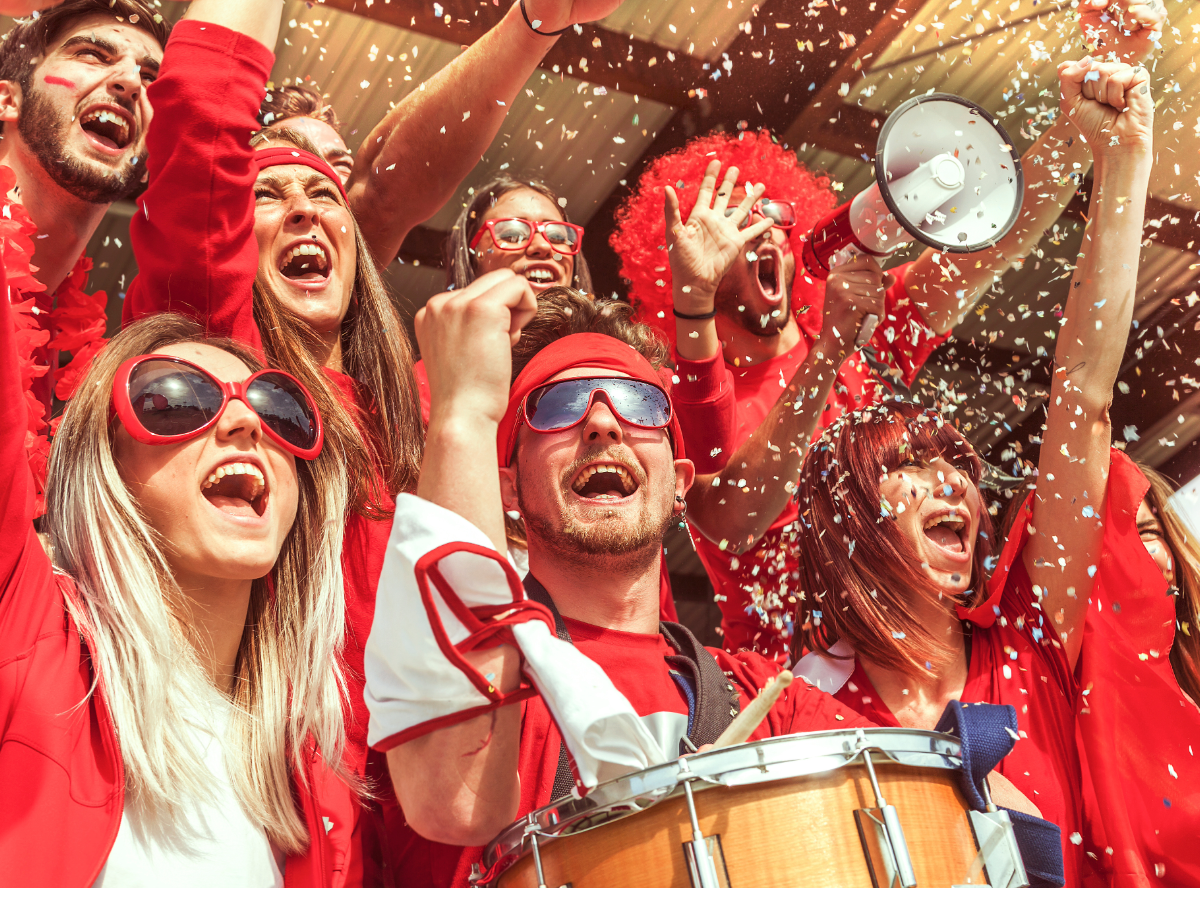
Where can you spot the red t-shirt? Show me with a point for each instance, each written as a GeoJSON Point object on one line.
{"type": "Point", "coordinates": [1017, 660]}
{"type": "Point", "coordinates": [636, 665]}
{"type": "Point", "coordinates": [719, 407]}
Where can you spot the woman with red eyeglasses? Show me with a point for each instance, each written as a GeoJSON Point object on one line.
{"type": "Point", "coordinates": [170, 691]}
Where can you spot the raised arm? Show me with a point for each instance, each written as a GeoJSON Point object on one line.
{"type": "Point", "coordinates": [946, 286]}
{"type": "Point", "coordinates": [1111, 105]}
{"type": "Point", "coordinates": [413, 161]}
{"type": "Point", "coordinates": [736, 506]}
{"type": "Point", "coordinates": [193, 232]}
{"type": "Point", "coordinates": [466, 786]}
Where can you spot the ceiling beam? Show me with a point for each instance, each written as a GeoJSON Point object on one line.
{"type": "Point", "coordinates": [614, 60]}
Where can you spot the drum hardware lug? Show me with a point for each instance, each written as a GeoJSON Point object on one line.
{"type": "Point", "coordinates": [999, 856]}
{"type": "Point", "coordinates": [882, 838]}
{"type": "Point", "coordinates": [705, 858]}
{"type": "Point", "coordinates": [537, 859]}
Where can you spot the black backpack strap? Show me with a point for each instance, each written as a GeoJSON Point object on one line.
{"type": "Point", "coordinates": [717, 700]}
{"type": "Point", "coordinates": [564, 781]}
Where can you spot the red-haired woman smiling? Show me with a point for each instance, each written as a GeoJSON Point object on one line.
{"type": "Point", "coordinates": [895, 540]}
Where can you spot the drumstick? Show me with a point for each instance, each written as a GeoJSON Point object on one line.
{"type": "Point", "coordinates": [743, 726]}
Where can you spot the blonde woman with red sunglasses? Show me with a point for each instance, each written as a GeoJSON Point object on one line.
{"type": "Point", "coordinates": [169, 684]}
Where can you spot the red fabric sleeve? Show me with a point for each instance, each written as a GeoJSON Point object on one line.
{"type": "Point", "coordinates": [902, 338]}
{"type": "Point", "coordinates": [1138, 732]}
{"type": "Point", "coordinates": [702, 394]}
{"type": "Point", "coordinates": [193, 232]}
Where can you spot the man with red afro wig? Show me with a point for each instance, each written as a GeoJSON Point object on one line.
{"type": "Point", "coordinates": [766, 358]}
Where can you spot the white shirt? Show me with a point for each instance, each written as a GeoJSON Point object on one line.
{"type": "Point", "coordinates": [217, 846]}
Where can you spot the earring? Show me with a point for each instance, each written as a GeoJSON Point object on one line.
{"type": "Point", "coordinates": [683, 512]}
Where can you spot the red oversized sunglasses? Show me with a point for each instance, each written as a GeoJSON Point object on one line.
{"type": "Point", "coordinates": [165, 400]}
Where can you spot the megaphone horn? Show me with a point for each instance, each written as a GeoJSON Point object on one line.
{"type": "Point", "coordinates": [946, 174]}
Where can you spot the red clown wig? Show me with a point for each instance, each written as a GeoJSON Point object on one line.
{"type": "Point", "coordinates": [640, 235]}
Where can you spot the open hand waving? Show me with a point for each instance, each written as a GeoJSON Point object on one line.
{"type": "Point", "coordinates": [702, 249]}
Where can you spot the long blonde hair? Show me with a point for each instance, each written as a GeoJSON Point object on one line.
{"type": "Point", "coordinates": [376, 353]}
{"type": "Point", "coordinates": [1185, 651]}
{"type": "Point", "coordinates": [287, 686]}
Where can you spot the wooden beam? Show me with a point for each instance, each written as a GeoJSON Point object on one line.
{"type": "Point", "coordinates": [1166, 224]}
{"type": "Point", "coordinates": [614, 60]}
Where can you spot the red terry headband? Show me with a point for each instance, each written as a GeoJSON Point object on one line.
{"type": "Point", "coordinates": [570, 352]}
{"type": "Point", "coordinates": [294, 156]}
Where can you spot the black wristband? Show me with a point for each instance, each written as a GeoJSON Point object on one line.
{"type": "Point", "coordinates": [681, 315]}
{"type": "Point", "coordinates": [525, 15]}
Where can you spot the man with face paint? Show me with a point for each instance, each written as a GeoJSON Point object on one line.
{"type": "Point", "coordinates": [74, 115]}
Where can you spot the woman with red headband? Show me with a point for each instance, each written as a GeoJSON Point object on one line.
{"type": "Point", "coordinates": [275, 259]}
{"type": "Point", "coordinates": [169, 690]}
{"type": "Point", "coordinates": [895, 545]}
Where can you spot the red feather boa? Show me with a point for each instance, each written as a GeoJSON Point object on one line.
{"type": "Point", "coordinates": [78, 322]}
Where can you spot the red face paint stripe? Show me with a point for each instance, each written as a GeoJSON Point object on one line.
{"type": "Point", "coordinates": [63, 82]}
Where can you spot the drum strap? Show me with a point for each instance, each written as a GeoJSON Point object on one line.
{"type": "Point", "coordinates": [987, 733]}
{"type": "Point", "coordinates": [713, 701]}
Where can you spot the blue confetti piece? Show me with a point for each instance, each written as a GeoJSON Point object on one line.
{"type": "Point", "coordinates": [1092, 76]}
{"type": "Point", "coordinates": [1088, 512]}
{"type": "Point", "coordinates": [1091, 571]}
{"type": "Point", "coordinates": [898, 635]}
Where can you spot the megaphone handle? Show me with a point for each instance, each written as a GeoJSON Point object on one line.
{"type": "Point", "coordinates": [868, 328]}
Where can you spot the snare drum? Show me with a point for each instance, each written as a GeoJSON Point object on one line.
{"type": "Point", "coordinates": [858, 808]}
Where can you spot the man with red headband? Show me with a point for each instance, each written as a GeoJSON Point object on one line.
{"type": "Point", "coordinates": [760, 363]}
{"type": "Point", "coordinates": [591, 457]}
{"type": "Point", "coordinates": [73, 112]}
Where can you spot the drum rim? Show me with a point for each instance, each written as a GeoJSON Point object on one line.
{"type": "Point", "coordinates": [922, 749]}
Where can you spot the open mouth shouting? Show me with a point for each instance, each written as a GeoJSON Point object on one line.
{"type": "Point", "coordinates": [948, 532]}
{"type": "Point", "coordinates": [606, 481]}
{"type": "Point", "coordinates": [768, 270]}
{"type": "Point", "coordinates": [306, 264]}
{"type": "Point", "coordinates": [237, 489]}
{"type": "Point", "coordinates": [108, 127]}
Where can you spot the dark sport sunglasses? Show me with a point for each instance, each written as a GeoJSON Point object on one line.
{"type": "Point", "coordinates": [781, 212]}
{"type": "Point", "coordinates": [166, 400]}
{"type": "Point", "coordinates": [517, 234]}
{"type": "Point", "coordinates": [564, 404]}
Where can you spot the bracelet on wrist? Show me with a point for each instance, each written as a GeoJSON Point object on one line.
{"type": "Point", "coordinates": [525, 16]}
{"type": "Point", "coordinates": [682, 315]}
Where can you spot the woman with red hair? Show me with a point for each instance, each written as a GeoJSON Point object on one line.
{"type": "Point", "coordinates": [895, 609]}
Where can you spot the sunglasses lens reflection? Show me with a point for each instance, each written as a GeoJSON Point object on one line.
{"type": "Point", "coordinates": [284, 409]}
{"type": "Point", "coordinates": [171, 398]}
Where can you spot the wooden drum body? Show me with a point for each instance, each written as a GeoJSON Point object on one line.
{"type": "Point", "coordinates": [796, 811]}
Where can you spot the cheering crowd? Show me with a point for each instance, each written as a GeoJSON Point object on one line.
{"type": "Point", "coordinates": [281, 604]}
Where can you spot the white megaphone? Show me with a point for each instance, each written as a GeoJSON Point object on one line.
{"type": "Point", "coordinates": [946, 174]}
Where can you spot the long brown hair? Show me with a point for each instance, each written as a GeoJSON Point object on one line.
{"type": "Point", "coordinates": [460, 263]}
{"type": "Point", "coordinates": [376, 353]}
{"type": "Point", "coordinates": [288, 684]}
{"type": "Point", "coordinates": [859, 578]}
{"type": "Point", "coordinates": [1185, 651]}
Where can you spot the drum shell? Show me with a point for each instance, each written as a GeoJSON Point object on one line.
{"type": "Point", "coordinates": [796, 832]}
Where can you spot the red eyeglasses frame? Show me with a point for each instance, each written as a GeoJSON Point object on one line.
{"type": "Point", "coordinates": [123, 406]}
{"type": "Point", "coordinates": [534, 228]}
